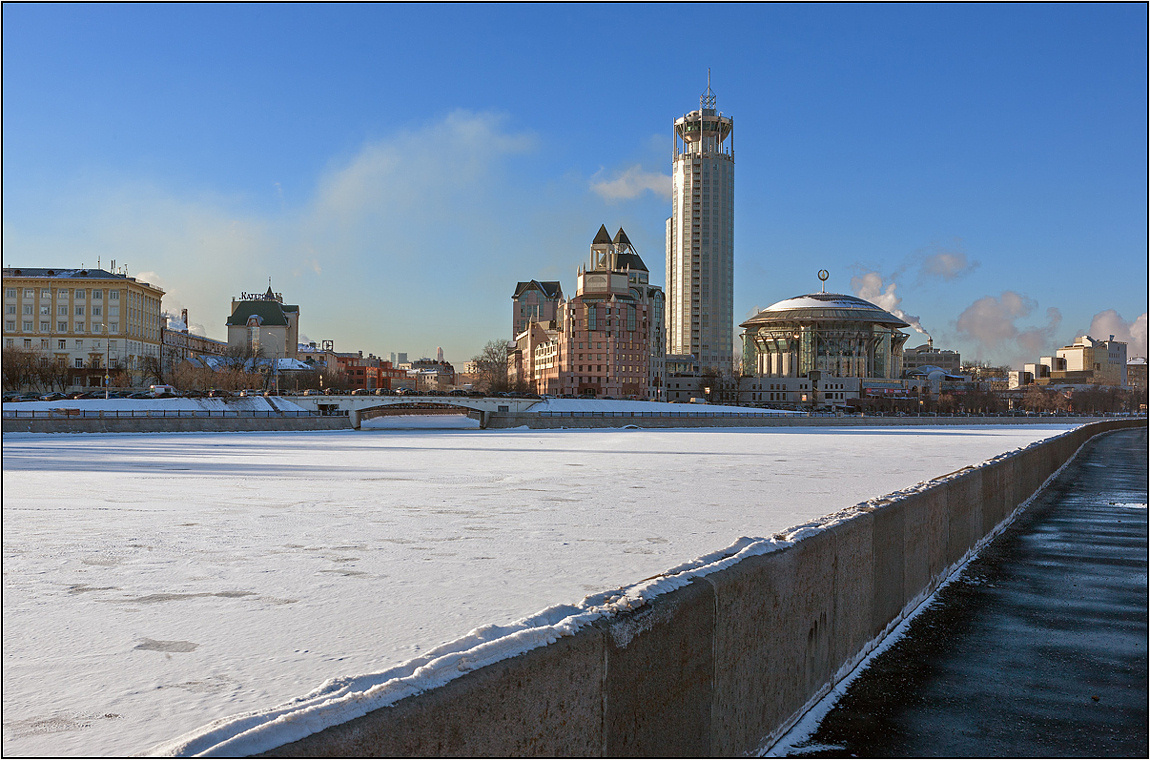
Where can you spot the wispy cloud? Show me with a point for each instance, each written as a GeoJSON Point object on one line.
{"type": "Point", "coordinates": [631, 183]}
{"type": "Point", "coordinates": [947, 265]}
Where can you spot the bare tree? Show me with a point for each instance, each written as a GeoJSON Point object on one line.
{"type": "Point", "coordinates": [491, 367]}
{"type": "Point", "coordinates": [20, 369]}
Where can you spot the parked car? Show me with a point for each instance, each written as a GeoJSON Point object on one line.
{"type": "Point", "coordinates": [361, 392]}
{"type": "Point", "coordinates": [140, 395]}
{"type": "Point", "coordinates": [53, 397]}
{"type": "Point", "coordinates": [384, 392]}
{"type": "Point", "coordinates": [313, 392]}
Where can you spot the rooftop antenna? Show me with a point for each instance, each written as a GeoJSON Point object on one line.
{"type": "Point", "coordinates": [707, 99]}
{"type": "Point", "coordinates": [824, 275]}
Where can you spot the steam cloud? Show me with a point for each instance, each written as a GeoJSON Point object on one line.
{"type": "Point", "coordinates": [870, 287]}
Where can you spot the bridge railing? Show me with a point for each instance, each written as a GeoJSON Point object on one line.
{"type": "Point", "coordinates": [700, 413]}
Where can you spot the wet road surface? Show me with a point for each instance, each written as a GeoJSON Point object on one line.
{"type": "Point", "coordinates": [1039, 649]}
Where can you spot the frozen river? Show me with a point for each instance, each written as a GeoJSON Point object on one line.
{"type": "Point", "coordinates": [153, 583]}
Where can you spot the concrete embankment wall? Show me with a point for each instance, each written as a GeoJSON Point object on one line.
{"type": "Point", "coordinates": [172, 424]}
{"type": "Point", "coordinates": [535, 421]}
{"type": "Point", "coordinates": [727, 663]}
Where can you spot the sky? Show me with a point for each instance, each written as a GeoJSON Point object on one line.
{"type": "Point", "coordinates": [395, 170]}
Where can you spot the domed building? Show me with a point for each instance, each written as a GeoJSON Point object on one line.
{"type": "Point", "coordinates": [821, 348]}
{"type": "Point", "coordinates": [836, 334]}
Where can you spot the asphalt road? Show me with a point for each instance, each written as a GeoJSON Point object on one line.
{"type": "Point", "coordinates": [1038, 650]}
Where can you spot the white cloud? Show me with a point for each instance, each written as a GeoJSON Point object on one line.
{"type": "Point", "coordinates": [1110, 322]}
{"type": "Point", "coordinates": [992, 324]}
{"type": "Point", "coordinates": [631, 183]}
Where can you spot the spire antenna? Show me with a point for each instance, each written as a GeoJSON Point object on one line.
{"type": "Point", "coordinates": [707, 99]}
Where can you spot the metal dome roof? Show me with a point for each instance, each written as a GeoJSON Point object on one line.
{"type": "Point", "coordinates": [825, 307]}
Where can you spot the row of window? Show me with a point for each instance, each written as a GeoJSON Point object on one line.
{"type": "Point", "coordinates": [61, 310]}
{"type": "Point", "coordinates": [79, 327]}
{"type": "Point", "coordinates": [63, 293]}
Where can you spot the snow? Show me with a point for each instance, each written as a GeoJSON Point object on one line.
{"type": "Point", "coordinates": [155, 583]}
{"type": "Point", "coordinates": [647, 407]}
{"type": "Point", "coordinates": [235, 404]}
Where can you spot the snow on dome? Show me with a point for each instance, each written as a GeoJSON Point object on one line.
{"type": "Point", "coordinates": [828, 306]}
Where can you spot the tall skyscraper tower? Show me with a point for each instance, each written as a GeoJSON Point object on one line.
{"type": "Point", "coordinates": [700, 237]}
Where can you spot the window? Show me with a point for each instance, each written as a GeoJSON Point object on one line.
{"type": "Point", "coordinates": [61, 327]}
{"type": "Point", "coordinates": [62, 310]}
{"type": "Point", "coordinates": [97, 311]}
{"type": "Point", "coordinates": [29, 292]}
{"type": "Point", "coordinates": [10, 293]}
{"type": "Point", "coordinates": [43, 344]}
{"type": "Point", "coordinates": [45, 293]}
{"type": "Point", "coordinates": [97, 294]}
{"type": "Point", "coordinates": [114, 327]}
{"type": "Point", "coordinates": [80, 293]}
{"type": "Point", "coordinates": [45, 310]}
{"type": "Point", "coordinates": [9, 343]}
{"type": "Point", "coordinates": [62, 345]}
{"type": "Point", "coordinates": [27, 308]}
{"type": "Point", "coordinates": [62, 293]}
{"type": "Point", "coordinates": [27, 327]}
{"type": "Point", "coordinates": [27, 343]}
{"type": "Point", "coordinates": [79, 327]}
{"type": "Point", "coordinates": [10, 308]}
{"type": "Point", "coordinates": [79, 344]}
{"type": "Point", "coordinates": [114, 295]}
{"type": "Point", "coordinates": [10, 327]}
{"type": "Point", "coordinates": [79, 364]}
{"type": "Point", "coordinates": [79, 311]}
{"type": "Point", "coordinates": [45, 326]}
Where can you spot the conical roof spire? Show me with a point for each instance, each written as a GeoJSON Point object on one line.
{"type": "Point", "coordinates": [621, 238]}
{"type": "Point", "coordinates": [602, 236]}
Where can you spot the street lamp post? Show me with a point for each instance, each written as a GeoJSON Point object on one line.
{"type": "Point", "coordinates": [107, 378]}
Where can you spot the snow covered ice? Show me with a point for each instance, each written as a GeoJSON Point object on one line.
{"type": "Point", "coordinates": [154, 583]}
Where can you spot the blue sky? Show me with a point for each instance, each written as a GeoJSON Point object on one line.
{"type": "Point", "coordinates": [396, 169]}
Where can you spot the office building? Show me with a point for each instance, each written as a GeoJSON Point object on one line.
{"type": "Point", "coordinates": [83, 319]}
{"type": "Point", "coordinates": [700, 237]}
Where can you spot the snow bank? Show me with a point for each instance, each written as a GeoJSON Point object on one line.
{"type": "Point", "coordinates": [236, 404]}
{"type": "Point", "coordinates": [343, 699]}
{"type": "Point", "coordinates": [649, 407]}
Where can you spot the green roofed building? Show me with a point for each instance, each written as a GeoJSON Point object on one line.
{"type": "Point", "coordinates": [264, 325]}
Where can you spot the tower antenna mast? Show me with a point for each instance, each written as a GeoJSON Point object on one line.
{"type": "Point", "coordinates": [707, 99]}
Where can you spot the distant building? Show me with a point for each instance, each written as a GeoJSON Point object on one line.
{"type": "Point", "coordinates": [534, 301]}
{"type": "Point", "coordinates": [928, 355]}
{"type": "Point", "coordinates": [1136, 373]}
{"type": "Point", "coordinates": [264, 325]}
{"type": "Point", "coordinates": [601, 342]}
{"type": "Point", "coordinates": [1085, 361]}
{"type": "Point", "coordinates": [82, 319]}
{"type": "Point", "coordinates": [178, 344]}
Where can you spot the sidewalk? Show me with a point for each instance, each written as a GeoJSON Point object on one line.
{"type": "Point", "coordinates": [1039, 649]}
